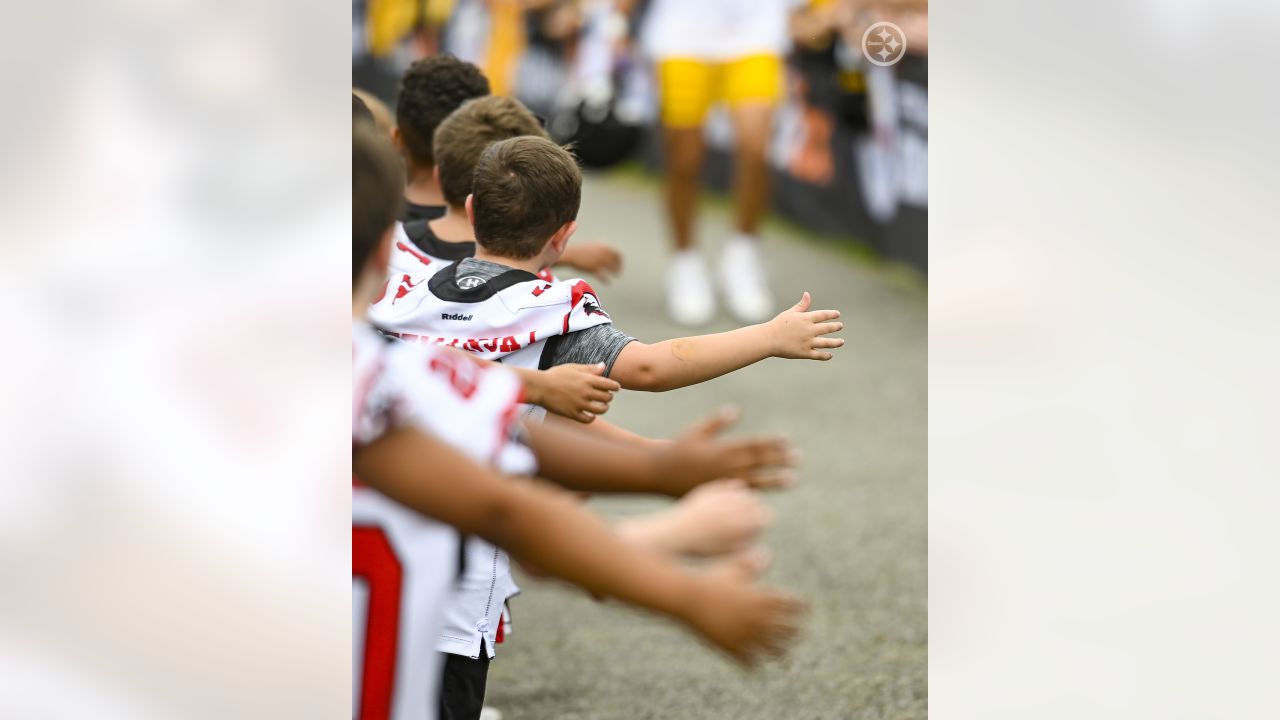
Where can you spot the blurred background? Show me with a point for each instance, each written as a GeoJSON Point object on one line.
{"type": "Point", "coordinates": [849, 150]}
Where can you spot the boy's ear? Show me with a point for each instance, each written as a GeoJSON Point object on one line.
{"type": "Point", "coordinates": [435, 175]}
{"type": "Point", "coordinates": [561, 239]}
{"type": "Point", "coordinates": [396, 139]}
{"type": "Point", "coordinates": [471, 215]}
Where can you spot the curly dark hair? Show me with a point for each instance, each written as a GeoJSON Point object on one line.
{"type": "Point", "coordinates": [431, 89]}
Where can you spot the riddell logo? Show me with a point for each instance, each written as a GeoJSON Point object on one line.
{"type": "Point", "coordinates": [449, 316]}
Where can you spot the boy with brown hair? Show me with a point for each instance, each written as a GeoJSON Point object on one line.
{"type": "Point", "coordinates": [526, 192]}
{"type": "Point", "coordinates": [459, 142]}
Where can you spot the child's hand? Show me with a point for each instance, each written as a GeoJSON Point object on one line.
{"type": "Point", "coordinates": [596, 258]}
{"type": "Point", "coordinates": [746, 566]}
{"type": "Point", "coordinates": [718, 518]}
{"type": "Point", "coordinates": [744, 621]}
{"type": "Point", "coordinates": [798, 334]}
{"type": "Point", "coordinates": [578, 392]}
{"type": "Point", "coordinates": [696, 456]}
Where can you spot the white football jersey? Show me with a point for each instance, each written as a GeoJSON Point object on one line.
{"type": "Point", "coordinates": [509, 318]}
{"type": "Point", "coordinates": [480, 418]}
{"type": "Point", "coordinates": [404, 564]}
{"type": "Point", "coordinates": [416, 254]}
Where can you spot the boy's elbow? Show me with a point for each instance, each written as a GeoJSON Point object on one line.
{"type": "Point", "coordinates": [639, 375]}
{"type": "Point", "coordinates": [646, 380]}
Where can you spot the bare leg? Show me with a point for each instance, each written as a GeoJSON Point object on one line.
{"type": "Point", "coordinates": [742, 273]}
{"type": "Point", "coordinates": [683, 148]}
{"type": "Point", "coordinates": [752, 125]}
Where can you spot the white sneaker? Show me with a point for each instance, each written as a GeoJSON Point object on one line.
{"type": "Point", "coordinates": [690, 300]}
{"type": "Point", "coordinates": [490, 713]}
{"type": "Point", "coordinates": [742, 278]}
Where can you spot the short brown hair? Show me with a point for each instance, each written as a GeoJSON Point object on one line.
{"type": "Point", "coordinates": [377, 187]}
{"type": "Point", "coordinates": [524, 190]}
{"type": "Point", "coordinates": [429, 90]}
{"type": "Point", "coordinates": [463, 136]}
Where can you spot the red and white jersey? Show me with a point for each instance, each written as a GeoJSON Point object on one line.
{"type": "Point", "coordinates": [475, 408]}
{"type": "Point", "coordinates": [403, 564]}
{"type": "Point", "coordinates": [510, 317]}
{"type": "Point", "coordinates": [416, 254]}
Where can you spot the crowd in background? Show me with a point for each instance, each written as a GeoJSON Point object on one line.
{"type": "Point", "coordinates": [846, 130]}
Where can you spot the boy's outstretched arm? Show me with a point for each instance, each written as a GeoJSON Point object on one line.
{"type": "Point", "coordinates": [795, 333]}
{"type": "Point", "coordinates": [549, 530]}
{"type": "Point", "coordinates": [605, 429]}
{"type": "Point", "coordinates": [585, 461]}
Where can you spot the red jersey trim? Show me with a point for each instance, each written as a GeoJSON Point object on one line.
{"type": "Point", "coordinates": [400, 245]}
{"type": "Point", "coordinates": [580, 289]}
{"type": "Point", "coordinates": [506, 423]}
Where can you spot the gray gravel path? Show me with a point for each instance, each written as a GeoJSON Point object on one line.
{"type": "Point", "coordinates": [851, 538]}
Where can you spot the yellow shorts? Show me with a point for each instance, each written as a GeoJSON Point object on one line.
{"type": "Point", "coordinates": [689, 87]}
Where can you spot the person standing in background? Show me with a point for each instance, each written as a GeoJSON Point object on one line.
{"type": "Point", "coordinates": [707, 52]}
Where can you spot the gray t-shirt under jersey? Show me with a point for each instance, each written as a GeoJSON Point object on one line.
{"type": "Point", "coordinates": [599, 344]}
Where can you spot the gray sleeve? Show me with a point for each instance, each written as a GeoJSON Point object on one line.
{"type": "Point", "coordinates": [599, 344]}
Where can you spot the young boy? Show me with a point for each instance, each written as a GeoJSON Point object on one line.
{"type": "Point", "coordinates": [430, 90]}
{"type": "Point", "coordinates": [404, 561]}
{"type": "Point", "coordinates": [524, 203]}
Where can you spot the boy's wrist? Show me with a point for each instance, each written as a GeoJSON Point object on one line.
{"type": "Point", "coordinates": [533, 394]}
{"type": "Point", "coordinates": [768, 337]}
{"type": "Point", "coordinates": [681, 596]}
{"type": "Point", "coordinates": [695, 601]}
{"type": "Point", "coordinates": [652, 532]}
{"type": "Point", "coordinates": [667, 473]}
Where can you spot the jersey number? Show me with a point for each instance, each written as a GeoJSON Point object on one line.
{"type": "Point", "coordinates": [373, 560]}
{"type": "Point", "coordinates": [462, 371]}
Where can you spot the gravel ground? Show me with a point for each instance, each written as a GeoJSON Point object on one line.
{"type": "Point", "coordinates": [850, 538]}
